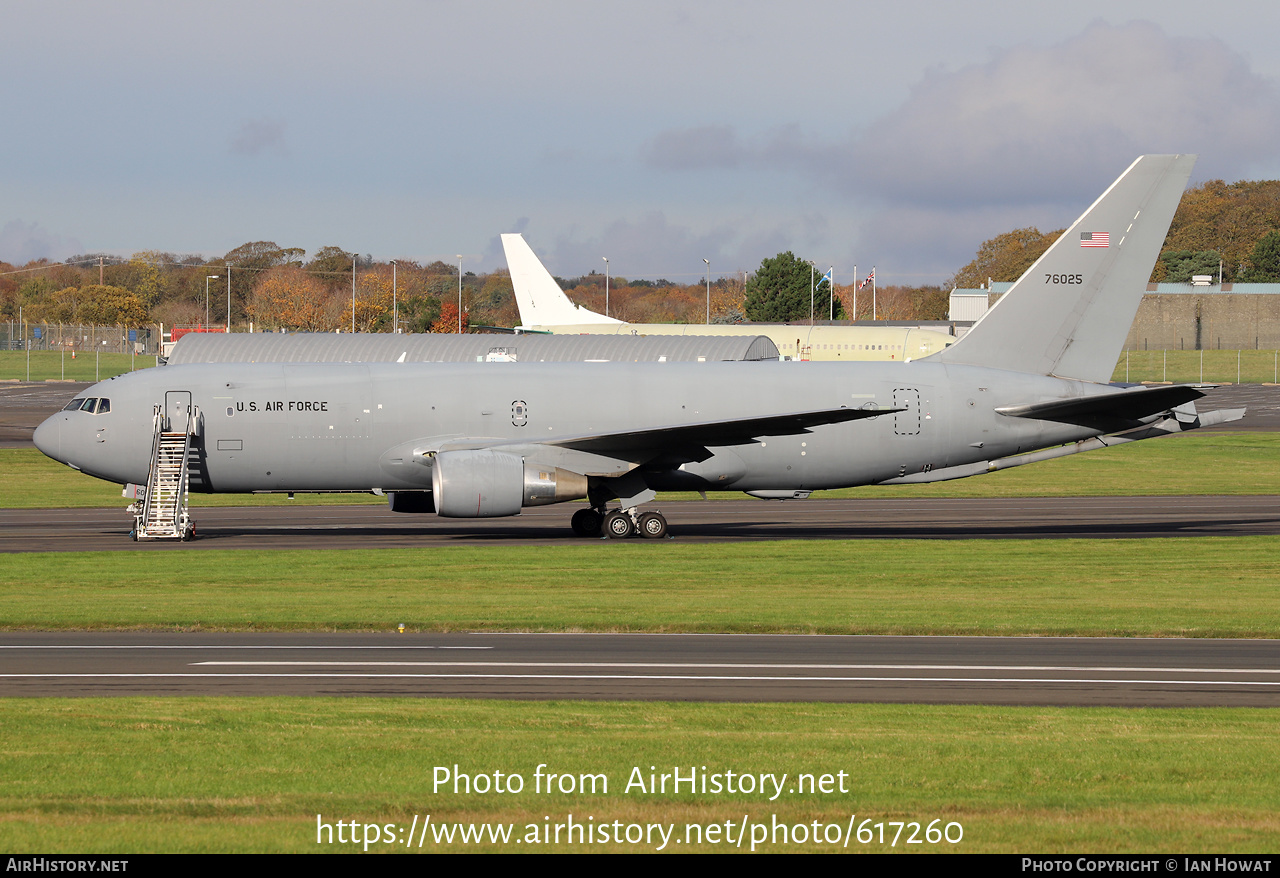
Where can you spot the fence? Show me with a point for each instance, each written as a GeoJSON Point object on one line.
{"type": "Point", "coordinates": [78, 337]}
{"type": "Point", "coordinates": [1193, 367]}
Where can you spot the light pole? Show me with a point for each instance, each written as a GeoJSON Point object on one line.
{"type": "Point", "coordinates": [206, 299]}
{"type": "Point", "coordinates": [606, 285]}
{"type": "Point", "coordinates": [393, 297]}
{"type": "Point", "coordinates": [708, 261]}
{"type": "Point", "coordinates": [459, 294]}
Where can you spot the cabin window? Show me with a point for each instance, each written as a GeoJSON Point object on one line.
{"type": "Point", "coordinates": [90, 405]}
{"type": "Point", "coordinates": [104, 406]}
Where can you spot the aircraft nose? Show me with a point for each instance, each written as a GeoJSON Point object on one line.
{"type": "Point", "coordinates": [48, 437]}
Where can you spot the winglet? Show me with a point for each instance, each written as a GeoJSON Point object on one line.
{"type": "Point", "coordinates": [538, 296]}
{"type": "Point", "coordinates": [1070, 313]}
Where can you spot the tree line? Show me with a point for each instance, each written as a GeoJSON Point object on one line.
{"type": "Point", "coordinates": [1235, 225]}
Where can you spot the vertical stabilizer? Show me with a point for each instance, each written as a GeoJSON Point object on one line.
{"type": "Point", "coordinates": [1070, 313]}
{"type": "Point", "coordinates": [538, 296]}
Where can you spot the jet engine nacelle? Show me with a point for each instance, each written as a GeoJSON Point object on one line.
{"type": "Point", "coordinates": [486, 483]}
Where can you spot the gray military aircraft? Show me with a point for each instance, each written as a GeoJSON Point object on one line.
{"type": "Point", "coordinates": [470, 440]}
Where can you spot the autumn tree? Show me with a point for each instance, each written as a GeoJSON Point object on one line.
{"type": "Point", "coordinates": [144, 278]}
{"type": "Point", "coordinates": [290, 298]}
{"type": "Point", "coordinates": [448, 319]}
{"type": "Point", "coordinates": [248, 262]}
{"type": "Point", "coordinates": [373, 301]}
{"type": "Point", "coordinates": [1228, 218]}
{"type": "Point", "coordinates": [1005, 257]}
{"type": "Point", "coordinates": [495, 304]}
{"type": "Point", "coordinates": [332, 262]}
{"type": "Point", "coordinates": [105, 305]}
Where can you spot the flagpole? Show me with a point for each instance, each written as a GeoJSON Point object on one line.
{"type": "Point", "coordinates": [855, 294]}
{"type": "Point", "coordinates": [831, 293]}
{"type": "Point", "coordinates": [811, 293]}
{"type": "Point", "coordinates": [873, 293]}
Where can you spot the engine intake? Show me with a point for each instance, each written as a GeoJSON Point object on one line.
{"type": "Point", "coordinates": [486, 483]}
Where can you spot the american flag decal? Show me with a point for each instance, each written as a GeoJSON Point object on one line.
{"type": "Point", "coordinates": [1095, 239]}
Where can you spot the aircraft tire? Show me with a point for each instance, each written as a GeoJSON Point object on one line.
{"type": "Point", "coordinates": [586, 523]}
{"type": "Point", "coordinates": [617, 525]}
{"type": "Point", "coordinates": [653, 526]}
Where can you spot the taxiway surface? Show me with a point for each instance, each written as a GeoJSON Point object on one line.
{"type": "Point", "coordinates": [714, 521]}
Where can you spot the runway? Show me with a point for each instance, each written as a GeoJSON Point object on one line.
{"type": "Point", "coordinates": [928, 670]}
{"type": "Point", "coordinates": [714, 521]}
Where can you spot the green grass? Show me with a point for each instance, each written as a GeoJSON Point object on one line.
{"type": "Point", "coordinates": [54, 365]}
{"type": "Point", "coordinates": [1220, 587]}
{"type": "Point", "coordinates": [1197, 463]}
{"type": "Point", "coordinates": [134, 775]}
{"type": "Point", "coordinates": [1192, 367]}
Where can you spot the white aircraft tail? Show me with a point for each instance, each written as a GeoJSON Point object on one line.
{"type": "Point", "coordinates": [1069, 314]}
{"type": "Point", "coordinates": [539, 297]}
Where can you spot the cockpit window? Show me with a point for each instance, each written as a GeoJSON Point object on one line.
{"type": "Point", "coordinates": [92, 405]}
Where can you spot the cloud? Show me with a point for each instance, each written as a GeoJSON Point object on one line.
{"type": "Point", "coordinates": [256, 136]}
{"type": "Point", "coordinates": [22, 242]}
{"type": "Point", "coordinates": [652, 247]}
{"type": "Point", "coordinates": [683, 149]}
{"type": "Point", "coordinates": [1029, 137]}
{"type": "Point", "coordinates": [1036, 124]}
{"type": "Point", "coordinates": [1032, 125]}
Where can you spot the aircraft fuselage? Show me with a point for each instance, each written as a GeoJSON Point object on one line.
{"type": "Point", "coordinates": [359, 427]}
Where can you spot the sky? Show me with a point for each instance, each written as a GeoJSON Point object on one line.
{"type": "Point", "coordinates": [656, 134]}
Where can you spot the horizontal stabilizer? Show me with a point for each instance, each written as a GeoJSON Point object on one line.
{"type": "Point", "coordinates": [1184, 417]}
{"type": "Point", "coordinates": [1108, 411]}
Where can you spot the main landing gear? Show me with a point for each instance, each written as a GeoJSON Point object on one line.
{"type": "Point", "coordinates": [618, 524]}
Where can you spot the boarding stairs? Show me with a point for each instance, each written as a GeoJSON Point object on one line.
{"type": "Point", "coordinates": [162, 512]}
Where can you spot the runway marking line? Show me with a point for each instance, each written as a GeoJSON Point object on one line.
{"type": "Point", "coordinates": [838, 667]}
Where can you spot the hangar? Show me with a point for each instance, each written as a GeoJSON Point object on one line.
{"type": "Point", "coordinates": [328, 347]}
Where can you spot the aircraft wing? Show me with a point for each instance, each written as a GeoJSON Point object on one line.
{"type": "Point", "coordinates": [1108, 411]}
{"type": "Point", "coordinates": [738, 431]}
{"type": "Point", "coordinates": [613, 453]}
